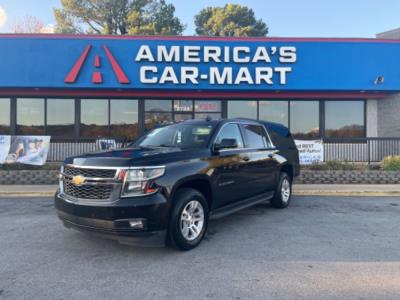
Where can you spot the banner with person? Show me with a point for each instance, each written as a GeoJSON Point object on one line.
{"type": "Point", "coordinates": [310, 152]}
{"type": "Point", "coordinates": [5, 141]}
{"type": "Point", "coordinates": [29, 150]}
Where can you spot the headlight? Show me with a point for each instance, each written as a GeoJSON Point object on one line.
{"type": "Point", "coordinates": [60, 185]}
{"type": "Point", "coordinates": [138, 182]}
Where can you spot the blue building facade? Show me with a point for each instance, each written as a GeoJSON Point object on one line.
{"type": "Point", "coordinates": [92, 86]}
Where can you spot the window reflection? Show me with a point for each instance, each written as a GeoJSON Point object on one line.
{"type": "Point", "coordinates": [304, 119]}
{"type": "Point", "coordinates": [230, 131]}
{"type": "Point", "coordinates": [255, 136]}
{"type": "Point", "coordinates": [30, 116]}
{"type": "Point", "coordinates": [157, 113]}
{"type": "Point", "coordinates": [207, 106]}
{"type": "Point", "coordinates": [157, 119]}
{"type": "Point", "coordinates": [274, 111]}
{"type": "Point", "coordinates": [61, 117]}
{"type": "Point", "coordinates": [212, 116]}
{"type": "Point", "coordinates": [94, 117]}
{"type": "Point", "coordinates": [124, 118]}
{"type": "Point", "coordinates": [158, 105]}
{"type": "Point", "coordinates": [242, 109]}
{"type": "Point", "coordinates": [182, 117]}
{"type": "Point", "coordinates": [344, 119]}
{"type": "Point", "coordinates": [183, 105]}
{"type": "Point", "coordinates": [4, 116]}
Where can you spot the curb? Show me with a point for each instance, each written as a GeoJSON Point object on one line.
{"type": "Point", "coordinates": [348, 193]}
{"type": "Point", "coordinates": [26, 194]}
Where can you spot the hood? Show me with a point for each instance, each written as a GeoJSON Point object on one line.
{"type": "Point", "coordinates": [130, 157]}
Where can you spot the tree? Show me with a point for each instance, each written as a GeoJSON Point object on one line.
{"type": "Point", "coordinates": [31, 24]}
{"type": "Point", "coordinates": [230, 20]}
{"type": "Point", "coordinates": [150, 17]}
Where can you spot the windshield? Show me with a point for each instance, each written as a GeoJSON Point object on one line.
{"type": "Point", "coordinates": [178, 135]}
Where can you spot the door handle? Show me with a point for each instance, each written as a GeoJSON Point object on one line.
{"type": "Point", "coordinates": [246, 158]}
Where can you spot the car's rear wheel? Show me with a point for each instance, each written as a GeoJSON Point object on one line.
{"type": "Point", "coordinates": [189, 219]}
{"type": "Point", "coordinates": [283, 192]}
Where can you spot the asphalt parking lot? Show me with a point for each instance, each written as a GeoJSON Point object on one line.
{"type": "Point", "coordinates": [319, 248]}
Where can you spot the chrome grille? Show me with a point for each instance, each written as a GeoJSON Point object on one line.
{"type": "Point", "coordinates": [91, 192]}
{"type": "Point", "coordinates": [89, 173]}
{"type": "Point", "coordinates": [98, 184]}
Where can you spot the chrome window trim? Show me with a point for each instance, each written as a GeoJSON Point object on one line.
{"type": "Point", "coordinates": [269, 138]}
{"type": "Point", "coordinates": [244, 148]}
{"type": "Point", "coordinates": [219, 132]}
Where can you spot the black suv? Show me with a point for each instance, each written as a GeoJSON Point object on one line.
{"type": "Point", "coordinates": [168, 184]}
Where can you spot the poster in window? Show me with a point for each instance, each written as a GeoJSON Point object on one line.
{"type": "Point", "coordinates": [310, 152]}
{"type": "Point", "coordinates": [106, 144]}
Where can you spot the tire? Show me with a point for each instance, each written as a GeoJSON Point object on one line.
{"type": "Point", "coordinates": [189, 209]}
{"type": "Point", "coordinates": [283, 192]}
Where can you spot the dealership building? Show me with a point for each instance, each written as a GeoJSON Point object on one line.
{"type": "Point", "coordinates": [115, 86]}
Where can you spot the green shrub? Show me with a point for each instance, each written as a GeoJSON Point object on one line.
{"type": "Point", "coordinates": [391, 163]}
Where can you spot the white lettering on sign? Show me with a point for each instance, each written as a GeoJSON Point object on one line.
{"type": "Point", "coordinates": [163, 54]}
{"type": "Point", "coordinates": [262, 65]}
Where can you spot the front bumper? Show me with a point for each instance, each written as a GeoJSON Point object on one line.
{"type": "Point", "coordinates": [111, 220]}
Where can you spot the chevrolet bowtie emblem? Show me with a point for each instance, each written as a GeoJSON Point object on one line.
{"type": "Point", "coordinates": [78, 180]}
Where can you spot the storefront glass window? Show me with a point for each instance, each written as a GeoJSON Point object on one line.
{"type": "Point", "coordinates": [30, 116]}
{"type": "Point", "coordinates": [94, 117]}
{"type": "Point", "coordinates": [4, 116]}
{"type": "Point", "coordinates": [61, 117]}
{"type": "Point", "coordinates": [124, 118]}
{"type": "Point", "coordinates": [158, 105]}
{"type": "Point", "coordinates": [182, 117]}
{"type": "Point", "coordinates": [183, 105]}
{"type": "Point", "coordinates": [344, 119]}
{"type": "Point", "coordinates": [274, 111]}
{"type": "Point", "coordinates": [207, 106]}
{"type": "Point", "coordinates": [157, 113]}
{"type": "Point", "coordinates": [304, 119]}
{"type": "Point", "coordinates": [242, 109]}
{"type": "Point", "coordinates": [212, 116]}
{"type": "Point", "coordinates": [152, 120]}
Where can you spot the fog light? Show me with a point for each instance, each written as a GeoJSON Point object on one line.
{"type": "Point", "coordinates": [136, 224]}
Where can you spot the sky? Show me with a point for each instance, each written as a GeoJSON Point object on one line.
{"type": "Point", "coordinates": [285, 18]}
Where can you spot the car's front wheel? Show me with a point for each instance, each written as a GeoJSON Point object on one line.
{"type": "Point", "coordinates": [283, 192]}
{"type": "Point", "coordinates": [189, 219]}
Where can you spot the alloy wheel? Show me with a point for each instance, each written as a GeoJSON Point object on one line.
{"type": "Point", "coordinates": [192, 220]}
{"type": "Point", "coordinates": [285, 190]}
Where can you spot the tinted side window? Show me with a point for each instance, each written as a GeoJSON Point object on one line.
{"type": "Point", "coordinates": [255, 136]}
{"type": "Point", "coordinates": [230, 131]}
{"type": "Point", "coordinates": [281, 138]}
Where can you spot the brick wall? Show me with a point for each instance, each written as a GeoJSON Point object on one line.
{"type": "Point", "coordinates": [29, 177]}
{"type": "Point", "coordinates": [349, 177]}
{"type": "Point", "coordinates": [307, 177]}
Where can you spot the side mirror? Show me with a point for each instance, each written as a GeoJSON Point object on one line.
{"type": "Point", "coordinates": [226, 144]}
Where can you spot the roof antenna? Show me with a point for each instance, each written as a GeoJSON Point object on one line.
{"type": "Point", "coordinates": [208, 118]}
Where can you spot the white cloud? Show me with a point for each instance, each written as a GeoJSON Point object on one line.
{"type": "Point", "coordinates": [49, 28]}
{"type": "Point", "coordinates": [3, 17]}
